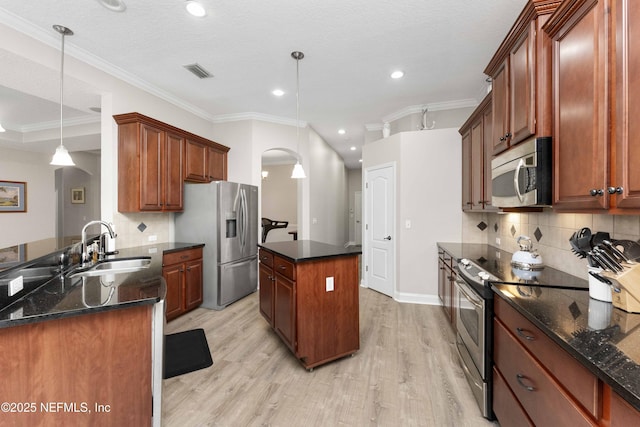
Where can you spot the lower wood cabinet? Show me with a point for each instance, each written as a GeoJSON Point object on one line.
{"type": "Point", "coordinates": [530, 370]}
{"type": "Point", "coordinates": [182, 270]}
{"type": "Point", "coordinates": [317, 325]}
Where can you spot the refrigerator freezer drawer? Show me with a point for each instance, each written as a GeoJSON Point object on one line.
{"type": "Point", "coordinates": [237, 280]}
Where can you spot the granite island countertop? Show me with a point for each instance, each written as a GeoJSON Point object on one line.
{"type": "Point", "coordinates": [306, 250]}
{"type": "Point", "coordinates": [60, 296]}
{"type": "Point", "coordinates": [605, 339]}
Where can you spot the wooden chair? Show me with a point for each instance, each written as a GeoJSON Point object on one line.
{"type": "Point", "coordinates": [268, 225]}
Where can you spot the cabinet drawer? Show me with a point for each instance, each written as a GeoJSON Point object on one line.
{"type": "Point", "coordinates": [623, 414]}
{"type": "Point", "coordinates": [506, 406]}
{"type": "Point", "coordinates": [539, 394]}
{"type": "Point", "coordinates": [266, 258]}
{"type": "Point", "coordinates": [181, 256]}
{"type": "Point", "coordinates": [581, 383]}
{"type": "Point", "coordinates": [284, 267]}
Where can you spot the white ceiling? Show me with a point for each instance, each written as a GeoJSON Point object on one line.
{"type": "Point", "coordinates": [350, 49]}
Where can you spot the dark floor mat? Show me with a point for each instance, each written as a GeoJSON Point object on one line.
{"type": "Point", "coordinates": [186, 352]}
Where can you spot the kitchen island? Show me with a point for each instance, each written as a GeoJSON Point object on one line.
{"type": "Point", "coordinates": [309, 296]}
{"type": "Point", "coordinates": [83, 350]}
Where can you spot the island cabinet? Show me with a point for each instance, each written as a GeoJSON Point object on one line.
{"type": "Point", "coordinates": [154, 160]}
{"type": "Point", "coordinates": [446, 284]}
{"type": "Point", "coordinates": [519, 71]}
{"type": "Point", "coordinates": [477, 152]}
{"type": "Point", "coordinates": [309, 297]}
{"type": "Point", "coordinates": [91, 369]}
{"type": "Point", "coordinates": [182, 270]}
{"type": "Point", "coordinates": [536, 382]}
{"type": "Point", "coordinates": [596, 139]}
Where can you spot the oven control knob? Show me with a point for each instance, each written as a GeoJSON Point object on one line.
{"type": "Point", "coordinates": [484, 275]}
{"type": "Point", "coordinates": [465, 262]}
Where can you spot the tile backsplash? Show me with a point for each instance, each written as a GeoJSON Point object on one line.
{"type": "Point", "coordinates": [134, 229]}
{"type": "Point", "coordinates": [549, 232]}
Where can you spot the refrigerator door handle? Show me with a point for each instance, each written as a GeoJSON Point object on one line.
{"type": "Point", "coordinates": [242, 220]}
{"type": "Point", "coordinates": [245, 218]}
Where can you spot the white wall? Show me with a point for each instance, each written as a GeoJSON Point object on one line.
{"type": "Point", "coordinates": [354, 184]}
{"type": "Point", "coordinates": [39, 221]}
{"type": "Point", "coordinates": [428, 180]}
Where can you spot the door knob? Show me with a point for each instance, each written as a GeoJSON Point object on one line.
{"type": "Point", "coordinates": [596, 192]}
{"type": "Point", "coordinates": [614, 190]}
{"type": "Point", "coordinates": [387, 238]}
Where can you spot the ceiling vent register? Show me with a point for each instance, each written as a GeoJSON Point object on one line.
{"type": "Point", "coordinates": [199, 71]}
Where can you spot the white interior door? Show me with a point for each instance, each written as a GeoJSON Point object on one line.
{"type": "Point", "coordinates": [379, 228]}
{"type": "Point", "coordinates": [357, 213]}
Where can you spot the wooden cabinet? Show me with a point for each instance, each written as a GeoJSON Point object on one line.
{"type": "Point", "coordinates": [155, 158]}
{"type": "Point", "coordinates": [182, 270]}
{"type": "Point", "coordinates": [477, 152]}
{"type": "Point", "coordinates": [520, 79]}
{"type": "Point", "coordinates": [446, 284]}
{"type": "Point", "coordinates": [621, 413]}
{"type": "Point", "coordinates": [596, 147]}
{"type": "Point", "coordinates": [318, 325]}
{"type": "Point", "coordinates": [149, 168]}
{"type": "Point", "coordinates": [547, 383]}
{"type": "Point", "coordinates": [204, 163]}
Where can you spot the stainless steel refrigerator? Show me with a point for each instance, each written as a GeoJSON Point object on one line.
{"type": "Point", "coordinates": [224, 216]}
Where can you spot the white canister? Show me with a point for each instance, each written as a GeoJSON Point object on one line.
{"type": "Point", "coordinates": [599, 314]}
{"type": "Point", "coordinates": [598, 290]}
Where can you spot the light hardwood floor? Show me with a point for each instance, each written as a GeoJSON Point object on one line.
{"type": "Point", "coordinates": [405, 373]}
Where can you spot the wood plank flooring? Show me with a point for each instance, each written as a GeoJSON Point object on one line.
{"type": "Point", "coordinates": [405, 374]}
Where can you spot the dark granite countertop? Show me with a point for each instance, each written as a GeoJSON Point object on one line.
{"type": "Point", "coordinates": [305, 250]}
{"type": "Point", "coordinates": [59, 296]}
{"type": "Point", "coordinates": [605, 339]}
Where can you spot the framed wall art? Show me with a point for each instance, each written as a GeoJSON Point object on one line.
{"type": "Point", "coordinates": [13, 196]}
{"type": "Point", "coordinates": [77, 195]}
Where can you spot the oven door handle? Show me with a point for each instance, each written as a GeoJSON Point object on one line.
{"type": "Point", "coordinates": [461, 287]}
{"type": "Point", "coordinates": [466, 368]}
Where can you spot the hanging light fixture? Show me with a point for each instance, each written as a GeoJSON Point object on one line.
{"type": "Point", "coordinates": [61, 156]}
{"type": "Point", "coordinates": [298, 171]}
{"type": "Point", "coordinates": [2, 129]}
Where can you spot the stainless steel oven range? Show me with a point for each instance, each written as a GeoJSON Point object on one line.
{"type": "Point", "coordinates": [474, 337]}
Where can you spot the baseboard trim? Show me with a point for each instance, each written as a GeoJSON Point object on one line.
{"type": "Point", "coordinates": [412, 298]}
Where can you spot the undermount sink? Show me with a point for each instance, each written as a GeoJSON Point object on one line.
{"type": "Point", "coordinates": [113, 266]}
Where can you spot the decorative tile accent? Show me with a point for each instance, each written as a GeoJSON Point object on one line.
{"type": "Point", "coordinates": [495, 227]}
{"type": "Point", "coordinates": [574, 310]}
{"type": "Point", "coordinates": [513, 230]}
{"type": "Point", "coordinates": [537, 234]}
{"type": "Point", "coordinates": [142, 226]}
{"type": "Point", "coordinates": [482, 259]}
{"type": "Point", "coordinates": [482, 225]}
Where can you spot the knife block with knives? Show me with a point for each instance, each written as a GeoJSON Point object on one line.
{"type": "Point", "coordinates": [625, 288]}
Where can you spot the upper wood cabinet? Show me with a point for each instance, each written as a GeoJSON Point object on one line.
{"type": "Point", "coordinates": [596, 150]}
{"type": "Point", "coordinates": [204, 162]}
{"type": "Point", "coordinates": [154, 160]}
{"type": "Point", "coordinates": [520, 79]}
{"type": "Point", "coordinates": [477, 150]}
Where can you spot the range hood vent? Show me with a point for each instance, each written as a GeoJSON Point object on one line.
{"type": "Point", "coordinates": [199, 71]}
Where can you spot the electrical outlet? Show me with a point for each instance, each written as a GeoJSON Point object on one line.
{"type": "Point", "coordinates": [314, 221]}
{"type": "Point", "coordinates": [153, 238]}
{"type": "Point", "coordinates": [407, 223]}
{"type": "Point", "coordinates": [15, 286]}
{"type": "Point", "coordinates": [153, 250]}
{"type": "Point", "coordinates": [329, 284]}
{"type": "Point", "coordinates": [498, 241]}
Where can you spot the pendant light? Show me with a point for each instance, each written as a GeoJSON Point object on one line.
{"type": "Point", "coordinates": [298, 171]}
{"type": "Point", "coordinates": [61, 156]}
{"type": "Point", "coordinates": [2, 129]}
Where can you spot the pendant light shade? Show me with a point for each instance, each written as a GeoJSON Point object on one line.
{"type": "Point", "coordinates": [2, 129]}
{"type": "Point", "coordinates": [298, 171]}
{"type": "Point", "coordinates": [61, 156]}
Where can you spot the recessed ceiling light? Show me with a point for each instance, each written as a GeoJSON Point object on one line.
{"type": "Point", "coordinates": [114, 5]}
{"type": "Point", "coordinates": [397, 74]}
{"type": "Point", "coordinates": [342, 131]}
{"type": "Point", "coordinates": [196, 9]}
{"type": "Point", "coordinates": [360, 160]}
{"type": "Point", "coordinates": [353, 148]}
{"type": "Point", "coordinates": [278, 92]}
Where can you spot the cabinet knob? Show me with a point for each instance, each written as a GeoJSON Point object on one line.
{"type": "Point", "coordinates": [596, 192]}
{"type": "Point", "coordinates": [282, 267]}
{"type": "Point", "coordinates": [181, 270]}
{"type": "Point", "coordinates": [188, 268]}
{"type": "Point", "coordinates": [508, 135]}
{"type": "Point", "coordinates": [502, 138]}
{"type": "Point", "coordinates": [527, 337]}
{"type": "Point", "coordinates": [614, 190]}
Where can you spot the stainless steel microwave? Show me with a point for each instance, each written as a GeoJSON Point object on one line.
{"type": "Point", "coordinates": [521, 176]}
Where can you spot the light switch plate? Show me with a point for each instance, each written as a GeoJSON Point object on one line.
{"type": "Point", "coordinates": [329, 284]}
{"type": "Point", "coordinates": [15, 286]}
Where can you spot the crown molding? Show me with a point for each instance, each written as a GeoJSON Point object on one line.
{"type": "Point", "coordinates": [224, 118]}
{"type": "Point", "coordinates": [49, 38]}
{"type": "Point", "coordinates": [436, 106]}
{"type": "Point", "coordinates": [55, 124]}
{"type": "Point", "coordinates": [372, 127]}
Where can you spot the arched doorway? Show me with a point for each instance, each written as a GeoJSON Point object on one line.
{"type": "Point", "coordinates": [279, 193]}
